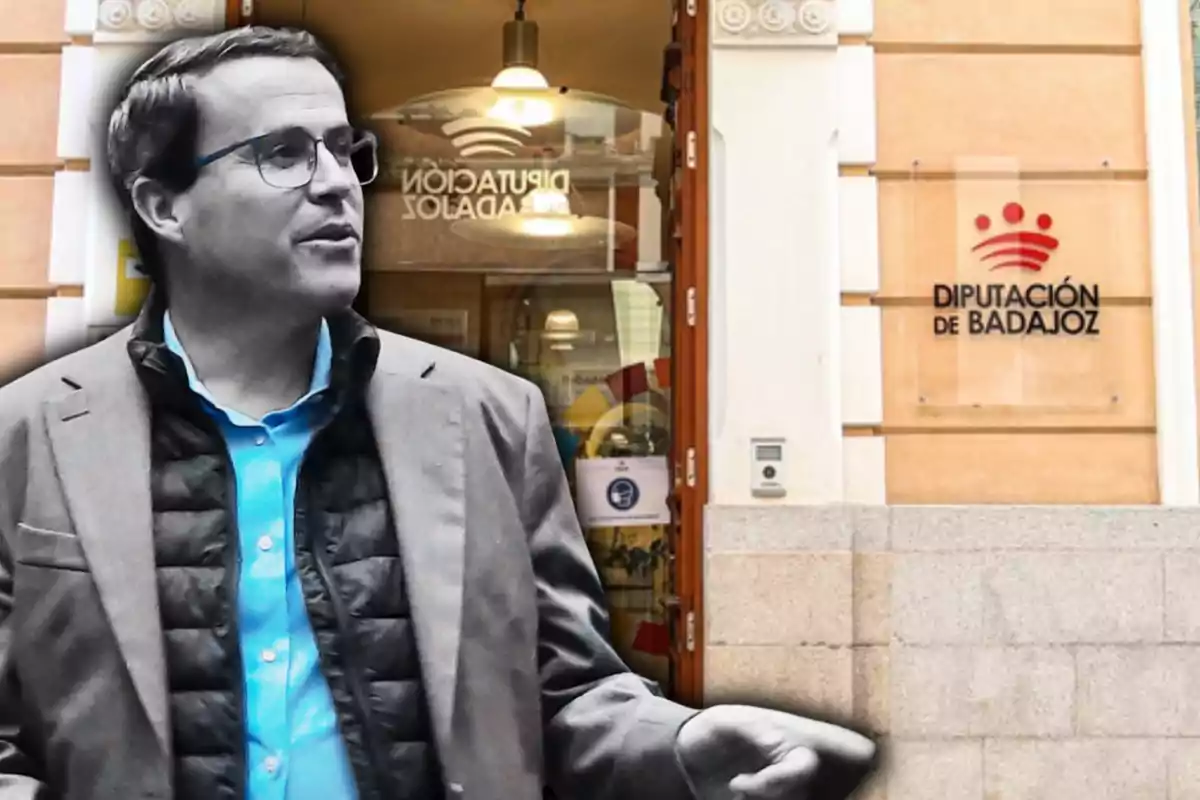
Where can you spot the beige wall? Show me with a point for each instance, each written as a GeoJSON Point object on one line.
{"type": "Point", "coordinates": [1049, 98]}
{"type": "Point", "coordinates": [31, 39]}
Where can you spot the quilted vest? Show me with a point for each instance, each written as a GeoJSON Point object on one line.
{"type": "Point", "coordinates": [348, 559]}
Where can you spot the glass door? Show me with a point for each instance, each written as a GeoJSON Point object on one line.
{"type": "Point", "coordinates": [556, 262]}
{"type": "Point", "coordinates": [540, 230]}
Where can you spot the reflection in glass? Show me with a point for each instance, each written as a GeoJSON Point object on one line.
{"type": "Point", "coordinates": [531, 227]}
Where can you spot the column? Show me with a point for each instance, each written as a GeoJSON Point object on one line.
{"type": "Point", "coordinates": [793, 210]}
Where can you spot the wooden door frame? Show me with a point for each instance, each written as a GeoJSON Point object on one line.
{"type": "Point", "coordinates": [690, 340]}
{"type": "Point", "coordinates": [234, 16]}
{"type": "Point", "coordinates": [690, 433]}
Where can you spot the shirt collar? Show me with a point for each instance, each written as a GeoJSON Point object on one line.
{"type": "Point", "coordinates": [322, 362]}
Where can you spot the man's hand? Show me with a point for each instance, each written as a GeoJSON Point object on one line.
{"type": "Point", "coordinates": [733, 752]}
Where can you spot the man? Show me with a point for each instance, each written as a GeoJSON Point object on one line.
{"type": "Point", "coordinates": [253, 548]}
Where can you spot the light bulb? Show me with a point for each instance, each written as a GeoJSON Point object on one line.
{"type": "Point", "coordinates": [515, 108]}
{"type": "Point", "coordinates": [520, 78]}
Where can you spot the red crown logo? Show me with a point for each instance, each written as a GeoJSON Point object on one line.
{"type": "Point", "coordinates": [1019, 249]}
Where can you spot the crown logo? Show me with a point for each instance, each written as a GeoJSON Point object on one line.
{"type": "Point", "coordinates": [1016, 249]}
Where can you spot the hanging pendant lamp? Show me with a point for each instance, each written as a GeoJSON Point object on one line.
{"type": "Point", "coordinates": [522, 90]}
{"type": "Point", "coordinates": [519, 97]}
{"type": "Point", "coordinates": [519, 118]}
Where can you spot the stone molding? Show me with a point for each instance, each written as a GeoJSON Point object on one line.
{"type": "Point", "coordinates": [954, 529]}
{"type": "Point", "coordinates": [795, 23]}
{"type": "Point", "coordinates": [149, 20]}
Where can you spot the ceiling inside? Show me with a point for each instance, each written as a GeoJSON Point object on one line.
{"type": "Point", "coordinates": [393, 50]}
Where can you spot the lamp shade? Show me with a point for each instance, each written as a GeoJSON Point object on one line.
{"type": "Point", "coordinates": [561, 329]}
{"type": "Point", "coordinates": [491, 137]}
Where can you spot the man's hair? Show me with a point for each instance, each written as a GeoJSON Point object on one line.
{"type": "Point", "coordinates": [154, 124]}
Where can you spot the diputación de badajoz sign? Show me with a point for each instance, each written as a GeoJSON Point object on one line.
{"type": "Point", "coordinates": [1062, 308]}
{"type": "Point", "coordinates": [472, 186]}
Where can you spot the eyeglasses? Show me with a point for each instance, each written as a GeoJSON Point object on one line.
{"type": "Point", "coordinates": [287, 158]}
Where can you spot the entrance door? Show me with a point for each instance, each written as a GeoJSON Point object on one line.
{"type": "Point", "coordinates": [598, 325]}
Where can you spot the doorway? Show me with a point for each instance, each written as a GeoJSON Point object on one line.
{"type": "Point", "coordinates": [554, 230]}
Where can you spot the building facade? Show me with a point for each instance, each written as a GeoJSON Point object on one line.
{"type": "Point", "coordinates": [951, 270]}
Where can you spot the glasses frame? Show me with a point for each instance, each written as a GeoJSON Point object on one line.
{"type": "Point", "coordinates": [366, 136]}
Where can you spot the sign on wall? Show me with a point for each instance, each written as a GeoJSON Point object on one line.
{"type": "Point", "coordinates": [1010, 305]}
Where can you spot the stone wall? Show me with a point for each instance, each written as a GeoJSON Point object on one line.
{"type": "Point", "coordinates": [1004, 653]}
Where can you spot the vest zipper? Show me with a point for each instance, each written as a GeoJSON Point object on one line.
{"type": "Point", "coordinates": [354, 667]}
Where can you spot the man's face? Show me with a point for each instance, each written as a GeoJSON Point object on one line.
{"type": "Point", "coordinates": [298, 249]}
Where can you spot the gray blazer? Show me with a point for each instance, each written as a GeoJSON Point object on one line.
{"type": "Point", "coordinates": [524, 687]}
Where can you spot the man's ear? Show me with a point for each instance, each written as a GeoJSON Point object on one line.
{"type": "Point", "coordinates": [160, 209]}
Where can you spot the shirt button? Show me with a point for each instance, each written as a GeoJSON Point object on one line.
{"type": "Point", "coordinates": [265, 543]}
{"type": "Point", "coordinates": [271, 764]}
{"type": "Point", "coordinates": [260, 440]}
{"type": "Point", "coordinates": [268, 656]}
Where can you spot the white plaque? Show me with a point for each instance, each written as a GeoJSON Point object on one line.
{"type": "Point", "coordinates": [616, 492]}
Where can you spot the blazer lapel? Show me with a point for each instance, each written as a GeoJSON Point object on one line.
{"type": "Point", "coordinates": [419, 431]}
{"type": "Point", "coordinates": [100, 438]}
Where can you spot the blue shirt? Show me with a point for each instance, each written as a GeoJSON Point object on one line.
{"type": "Point", "coordinates": [294, 750]}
